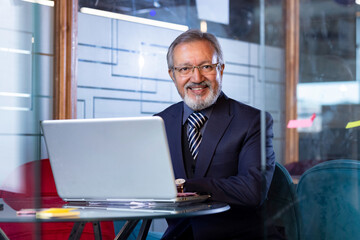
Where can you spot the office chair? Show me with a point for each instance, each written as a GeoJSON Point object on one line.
{"type": "Point", "coordinates": [329, 201]}
{"type": "Point", "coordinates": [16, 200]}
{"type": "Point", "coordinates": [281, 205]}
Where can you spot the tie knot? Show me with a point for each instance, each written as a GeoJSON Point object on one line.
{"type": "Point", "coordinates": [197, 120]}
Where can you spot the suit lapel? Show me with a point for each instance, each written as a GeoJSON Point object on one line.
{"type": "Point", "coordinates": [219, 120]}
{"type": "Point", "coordinates": [174, 128]}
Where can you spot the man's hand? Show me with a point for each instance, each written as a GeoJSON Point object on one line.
{"type": "Point", "coordinates": [180, 185]}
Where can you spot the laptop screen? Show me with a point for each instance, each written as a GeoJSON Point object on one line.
{"type": "Point", "coordinates": [114, 158]}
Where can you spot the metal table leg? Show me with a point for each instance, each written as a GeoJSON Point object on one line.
{"type": "Point", "coordinates": [3, 235]}
{"type": "Point", "coordinates": [144, 229]}
{"type": "Point", "coordinates": [77, 230]}
{"type": "Point", "coordinates": [126, 230]}
{"type": "Point", "coordinates": [97, 230]}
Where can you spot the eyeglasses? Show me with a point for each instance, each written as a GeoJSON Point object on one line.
{"type": "Point", "coordinates": [203, 69]}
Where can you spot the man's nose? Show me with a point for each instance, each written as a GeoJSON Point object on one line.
{"type": "Point", "coordinates": [196, 75]}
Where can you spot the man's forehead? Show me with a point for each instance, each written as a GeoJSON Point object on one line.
{"type": "Point", "coordinates": [202, 42]}
{"type": "Point", "coordinates": [201, 50]}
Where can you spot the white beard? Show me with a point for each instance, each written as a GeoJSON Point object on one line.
{"type": "Point", "coordinates": [199, 104]}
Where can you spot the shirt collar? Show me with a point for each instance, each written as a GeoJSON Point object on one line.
{"type": "Point", "coordinates": [188, 111]}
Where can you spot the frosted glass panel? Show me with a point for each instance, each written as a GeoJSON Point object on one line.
{"type": "Point", "coordinates": [26, 72]}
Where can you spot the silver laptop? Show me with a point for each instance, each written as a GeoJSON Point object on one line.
{"type": "Point", "coordinates": [114, 160]}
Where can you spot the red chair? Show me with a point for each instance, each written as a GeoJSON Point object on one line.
{"type": "Point", "coordinates": [24, 175]}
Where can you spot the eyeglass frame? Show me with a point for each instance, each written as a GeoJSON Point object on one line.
{"type": "Point", "coordinates": [214, 65]}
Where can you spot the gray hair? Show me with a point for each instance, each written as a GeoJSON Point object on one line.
{"type": "Point", "coordinates": [193, 35]}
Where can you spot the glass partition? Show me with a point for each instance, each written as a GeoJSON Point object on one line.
{"type": "Point", "coordinates": [328, 115]}
{"type": "Point", "coordinates": [328, 81]}
{"type": "Point", "coordinates": [26, 58]}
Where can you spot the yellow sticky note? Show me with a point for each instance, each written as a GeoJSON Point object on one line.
{"type": "Point", "coordinates": [57, 212]}
{"type": "Point", "coordinates": [353, 124]}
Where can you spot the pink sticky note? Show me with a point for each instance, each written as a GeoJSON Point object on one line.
{"type": "Point", "coordinates": [301, 123]}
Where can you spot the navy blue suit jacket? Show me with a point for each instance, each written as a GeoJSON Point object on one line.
{"type": "Point", "coordinates": [228, 167]}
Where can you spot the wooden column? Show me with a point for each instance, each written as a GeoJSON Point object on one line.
{"type": "Point", "coordinates": [65, 59]}
{"type": "Point", "coordinates": [291, 77]}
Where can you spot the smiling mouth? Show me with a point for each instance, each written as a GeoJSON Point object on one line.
{"type": "Point", "coordinates": [198, 88]}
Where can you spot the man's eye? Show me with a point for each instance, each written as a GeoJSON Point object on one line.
{"type": "Point", "coordinates": [184, 69]}
{"type": "Point", "coordinates": [207, 67]}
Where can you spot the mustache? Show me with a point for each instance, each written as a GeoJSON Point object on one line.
{"type": "Point", "coordinates": [202, 84]}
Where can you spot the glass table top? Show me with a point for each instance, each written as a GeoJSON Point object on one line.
{"type": "Point", "coordinates": [19, 211]}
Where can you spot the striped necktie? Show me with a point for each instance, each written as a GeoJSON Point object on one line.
{"type": "Point", "coordinates": [196, 120]}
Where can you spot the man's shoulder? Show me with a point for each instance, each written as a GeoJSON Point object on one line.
{"type": "Point", "coordinates": [242, 109]}
{"type": "Point", "coordinates": [238, 106]}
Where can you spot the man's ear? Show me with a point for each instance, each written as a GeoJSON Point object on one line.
{"type": "Point", "coordinates": [222, 69]}
{"type": "Point", "coordinates": [171, 74]}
